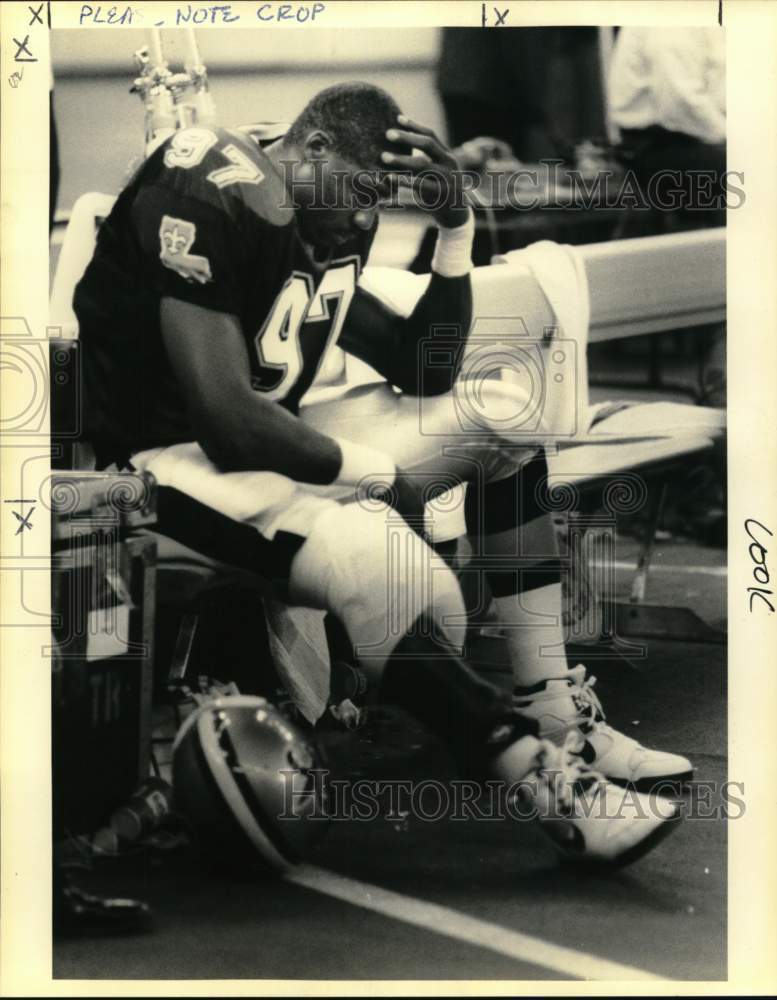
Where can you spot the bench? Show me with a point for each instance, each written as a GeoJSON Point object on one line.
{"type": "Point", "coordinates": [686, 288]}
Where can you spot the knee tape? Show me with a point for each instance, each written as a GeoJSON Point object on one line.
{"type": "Point", "coordinates": [372, 571]}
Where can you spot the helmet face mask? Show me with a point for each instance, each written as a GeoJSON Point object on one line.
{"type": "Point", "coordinates": [248, 783]}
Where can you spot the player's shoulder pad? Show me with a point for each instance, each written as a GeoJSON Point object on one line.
{"type": "Point", "coordinates": [224, 168]}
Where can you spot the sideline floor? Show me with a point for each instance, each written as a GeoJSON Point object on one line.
{"type": "Point", "coordinates": [664, 915]}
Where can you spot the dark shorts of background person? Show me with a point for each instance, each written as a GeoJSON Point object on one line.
{"type": "Point", "coordinates": [650, 151]}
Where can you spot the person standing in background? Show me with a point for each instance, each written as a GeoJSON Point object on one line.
{"type": "Point", "coordinates": [667, 96]}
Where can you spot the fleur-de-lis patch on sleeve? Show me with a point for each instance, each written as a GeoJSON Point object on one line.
{"type": "Point", "coordinates": [176, 237]}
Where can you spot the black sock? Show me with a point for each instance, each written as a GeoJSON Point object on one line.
{"type": "Point", "coordinates": [473, 717]}
{"type": "Point", "coordinates": [510, 502]}
{"type": "Point", "coordinates": [524, 692]}
{"type": "Point", "coordinates": [446, 550]}
{"type": "Point", "coordinates": [516, 539]}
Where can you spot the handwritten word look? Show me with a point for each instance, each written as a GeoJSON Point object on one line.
{"type": "Point", "coordinates": [758, 551]}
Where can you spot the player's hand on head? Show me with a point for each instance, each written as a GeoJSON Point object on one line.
{"type": "Point", "coordinates": [430, 168]}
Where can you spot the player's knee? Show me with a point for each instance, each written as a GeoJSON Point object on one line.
{"type": "Point", "coordinates": [496, 410]}
{"type": "Point", "coordinates": [371, 570]}
{"type": "Point", "coordinates": [495, 406]}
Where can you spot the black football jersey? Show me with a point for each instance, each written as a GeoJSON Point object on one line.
{"type": "Point", "coordinates": [206, 219]}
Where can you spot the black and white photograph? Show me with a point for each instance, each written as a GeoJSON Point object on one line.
{"type": "Point", "coordinates": [383, 601]}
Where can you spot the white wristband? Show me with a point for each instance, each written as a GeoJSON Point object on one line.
{"type": "Point", "coordinates": [364, 466]}
{"type": "Point", "coordinates": [453, 250]}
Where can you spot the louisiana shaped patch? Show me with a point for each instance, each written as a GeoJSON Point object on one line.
{"type": "Point", "coordinates": [176, 237]}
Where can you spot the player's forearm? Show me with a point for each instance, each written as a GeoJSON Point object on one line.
{"type": "Point", "coordinates": [251, 434]}
{"type": "Point", "coordinates": [430, 341]}
{"type": "Point", "coordinates": [238, 428]}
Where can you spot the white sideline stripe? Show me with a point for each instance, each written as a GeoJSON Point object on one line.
{"type": "Point", "coordinates": [470, 930]}
{"type": "Point", "coordinates": [666, 568]}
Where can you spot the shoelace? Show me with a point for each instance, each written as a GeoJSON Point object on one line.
{"type": "Point", "coordinates": [567, 773]}
{"type": "Point", "coordinates": [590, 706]}
{"type": "Point", "coordinates": [582, 691]}
{"type": "Point", "coordinates": [586, 699]}
{"type": "Point", "coordinates": [591, 716]}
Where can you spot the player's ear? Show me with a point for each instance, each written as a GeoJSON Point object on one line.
{"type": "Point", "coordinates": [317, 145]}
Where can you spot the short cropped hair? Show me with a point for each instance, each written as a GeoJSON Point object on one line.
{"type": "Point", "coordinates": [355, 115]}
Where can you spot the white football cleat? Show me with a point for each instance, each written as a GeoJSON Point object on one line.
{"type": "Point", "coordinates": [590, 820]}
{"type": "Point", "coordinates": [569, 704]}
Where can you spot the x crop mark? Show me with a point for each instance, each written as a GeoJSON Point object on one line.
{"type": "Point", "coordinates": [23, 47]}
{"type": "Point", "coordinates": [24, 522]}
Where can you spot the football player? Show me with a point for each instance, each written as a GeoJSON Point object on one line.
{"type": "Point", "coordinates": [503, 510]}
{"type": "Point", "coordinates": [225, 271]}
